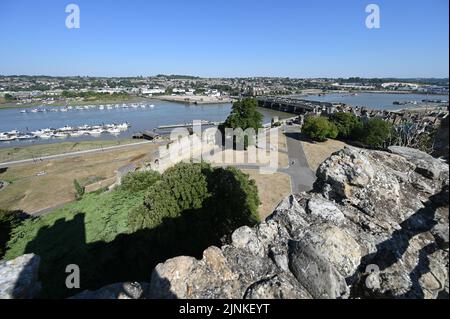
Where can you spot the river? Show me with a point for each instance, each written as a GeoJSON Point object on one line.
{"type": "Point", "coordinates": [375, 101]}
{"type": "Point", "coordinates": [163, 113]}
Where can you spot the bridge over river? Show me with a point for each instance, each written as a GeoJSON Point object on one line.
{"type": "Point", "coordinates": [293, 105]}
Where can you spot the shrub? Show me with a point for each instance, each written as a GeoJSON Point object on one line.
{"type": "Point", "coordinates": [8, 221]}
{"type": "Point", "coordinates": [139, 181]}
{"type": "Point", "coordinates": [319, 128]}
{"type": "Point", "coordinates": [79, 190]}
{"type": "Point", "coordinates": [376, 133]}
{"type": "Point", "coordinates": [347, 124]}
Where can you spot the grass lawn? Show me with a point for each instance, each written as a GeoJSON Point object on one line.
{"type": "Point", "coordinates": [269, 195]}
{"type": "Point", "coordinates": [32, 193]}
{"type": "Point", "coordinates": [317, 152]}
{"type": "Point", "coordinates": [35, 151]}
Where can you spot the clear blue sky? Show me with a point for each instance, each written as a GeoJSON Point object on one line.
{"type": "Point", "coordinates": [310, 38]}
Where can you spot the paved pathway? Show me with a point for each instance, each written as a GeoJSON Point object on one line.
{"type": "Point", "coordinates": [302, 177]}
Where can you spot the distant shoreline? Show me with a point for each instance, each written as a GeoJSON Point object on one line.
{"type": "Point", "coordinates": [193, 99]}
{"type": "Point", "coordinates": [62, 102]}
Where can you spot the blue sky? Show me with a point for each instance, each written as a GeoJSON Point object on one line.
{"type": "Point", "coordinates": [310, 38]}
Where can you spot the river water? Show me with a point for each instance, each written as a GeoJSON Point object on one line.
{"type": "Point", "coordinates": [163, 113]}
{"type": "Point", "coordinates": [377, 101]}
{"type": "Point", "coordinates": [167, 113]}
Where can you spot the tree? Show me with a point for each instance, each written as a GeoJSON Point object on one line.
{"type": "Point", "coordinates": [347, 124]}
{"type": "Point", "coordinates": [9, 97]}
{"type": "Point", "coordinates": [212, 201]}
{"type": "Point", "coordinates": [78, 189]}
{"type": "Point", "coordinates": [319, 128]}
{"type": "Point", "coordinates": [414, 135]}
{"type": "Point", "coordinates": [244, 115]}
{"type": "Point", "coordinates": [376, 133]}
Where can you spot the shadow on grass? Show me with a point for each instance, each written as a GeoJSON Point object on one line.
{"type": "Point", "coordinates": [132, 257]}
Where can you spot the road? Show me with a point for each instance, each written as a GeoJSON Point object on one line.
{"type": "Point", "coordinates": [60, 156]}
{"type": "Point", "coordinates": [302, 177]}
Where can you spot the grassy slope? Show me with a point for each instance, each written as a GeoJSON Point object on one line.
{"type": "Point", "coordinates": [105, 216]}
{"type": "Point", "coordinates": [69, 236]}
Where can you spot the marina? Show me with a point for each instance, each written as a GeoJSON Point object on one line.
{"type": "Point", "coordinates": [67, 108]}
{"type": "Point", "coordinates": [141, 116]}
{"type": "Point", "coordinates": [64, 132]}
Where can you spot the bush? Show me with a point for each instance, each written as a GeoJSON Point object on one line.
{"type": "Point", "coordinates": [139, 181]}
{"type": "Point", "coordinates": [319, 128]}
{"type": "Point", "coordinates": [376, 133]}
{"type": "Point", "coordinates": [348, 124]}
{"type": "Point", "coordinates": [8, 221]}
{"type": "Point", "coordinates": [79, 190]}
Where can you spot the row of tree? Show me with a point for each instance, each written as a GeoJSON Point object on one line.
{"type": "Point", "coordinates": [374, 132]}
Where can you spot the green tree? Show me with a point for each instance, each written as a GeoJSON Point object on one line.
{"type": "Point", "coordinates": [244, 115]}
{"type": "Point", "coordinates": [376, 133]}
{"type": "Point", "coordinates": [319, 128]}
{"type": "Point", "coordinates": [216, 201]}
{"type": "Point", "coordinates": [347, 124]}
{"type": "Point", "coordinates": [9, 97]}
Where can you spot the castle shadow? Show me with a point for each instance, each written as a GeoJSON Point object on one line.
{"type": "Point", "coordinates": [132, 256]}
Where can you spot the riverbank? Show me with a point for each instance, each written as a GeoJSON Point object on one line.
{"type": "Point", "coordinates": [62, 102]}
{"type": "Point", "coordinates": [193, 99]}
{"type": "Point", "coordinates": [39, 186]}
{"type": "Point", "coordinates": [36, 151]}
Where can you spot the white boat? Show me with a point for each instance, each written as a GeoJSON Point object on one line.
{"type": "Point", "coordinates": [60, 135]}
{"type": "Point", "coordinates": [114, 131]}
{"type": "Point", "coordinates": [46, 135]}
{"type": "Point", "coordinates": [13, 132]}
{"type": "Point", "coordinates": [96, 132]}
{"type": "Point", "coordinates": [26, 137]}
{"type": "Point", "coordinates": [152, 106]}
{"type": "Point", "coordinates": [6, 138]}
{"type": "Point", "coordinates": [77, 133]}
{"type": "Point", "coordinates": [66, 128]}
{"type": "Point", "coordinates": [123, 126]}
{"type": "Point", "coordinates": [23, 111]}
